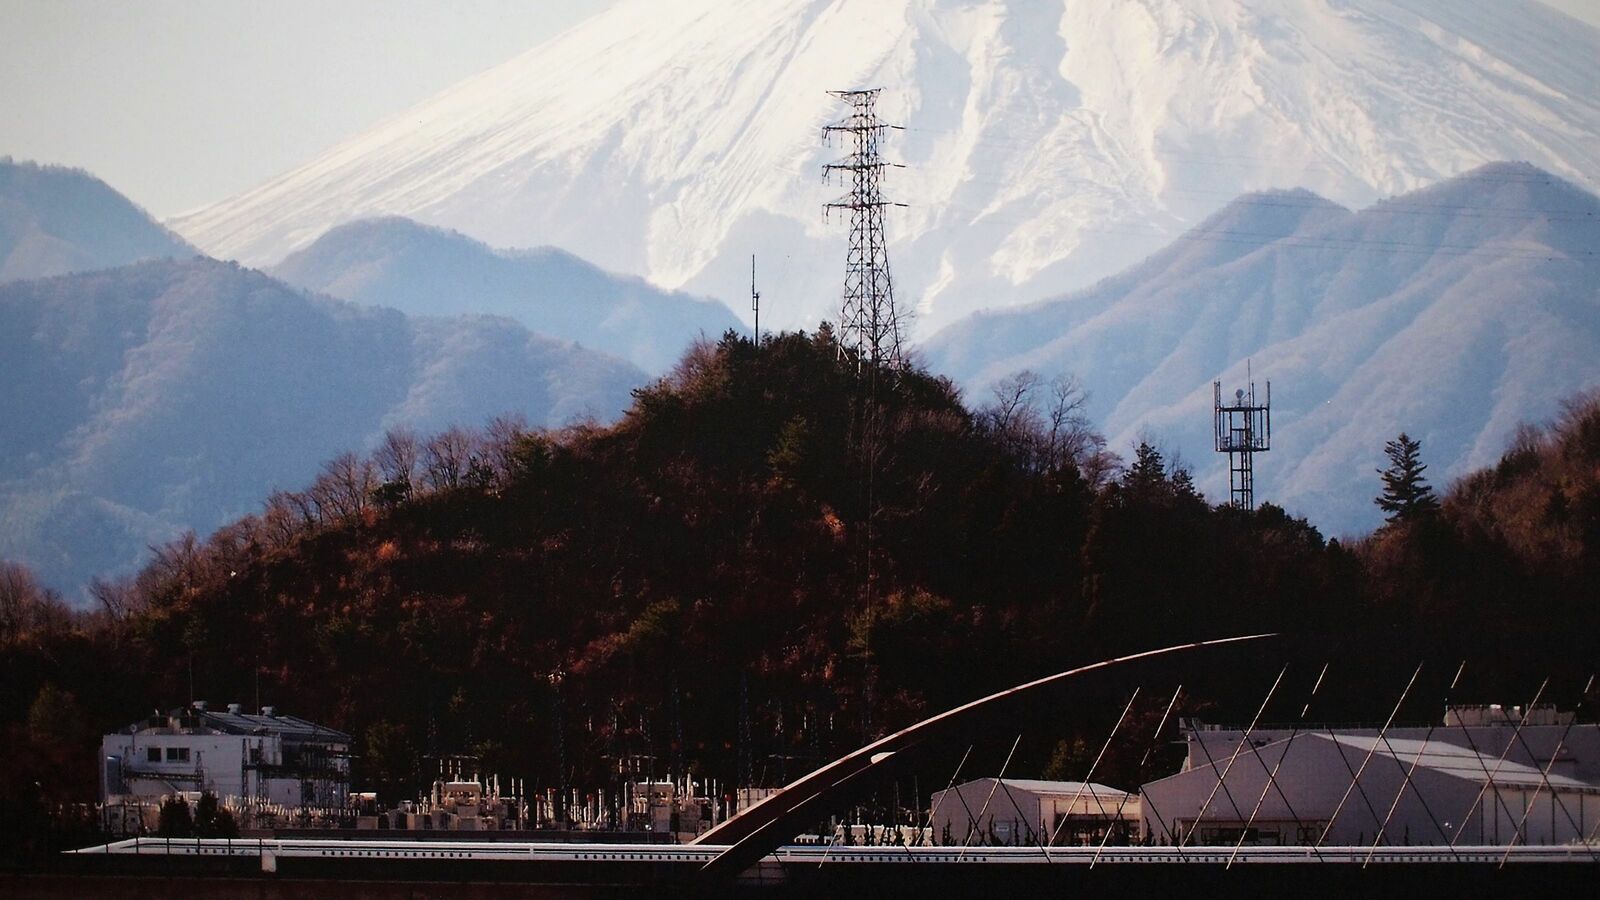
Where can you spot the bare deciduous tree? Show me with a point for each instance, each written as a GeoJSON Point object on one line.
{"type": "Point", "coordinates": [501, 440]}
{"type": "Point", "coordinates": [117, 597]}
{"type": "Point", "coordinates": [397, 457]}
{"type": "Point", "coordinates": [1045, 426]}
{"type": "Point", "coordinates": [280, 521]}
{"type": "Point", "coordinates": [447, 457]}
{"type": "Point", "coordinates": [1013, 412]}
{"type": "Point", "coordinates": [19, 598]}
{"type": "Point", "coordinates": [344, 489]}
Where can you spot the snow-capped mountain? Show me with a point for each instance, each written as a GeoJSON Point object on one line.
{"type": "Point", "coordinates": [420, 270]}
{"type": "Point", "coordinates": [1047, 143]}
{"type": "Point", "coordinates": [1454, 313]}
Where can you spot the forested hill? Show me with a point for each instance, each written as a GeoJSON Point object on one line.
{"type": "Point", "coordinates": [55, 220]}
{"type": "Point", "coordinates": [630, 588]}
{"type": "Point", "coordinates": [140, 401]}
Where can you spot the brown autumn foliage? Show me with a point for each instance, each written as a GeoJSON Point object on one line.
{"type": "Point", "coordinates": [569, 598]}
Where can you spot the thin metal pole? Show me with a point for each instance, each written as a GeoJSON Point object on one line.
{"type": "Point", "coordinates": [755, 301]}
{"type": "Point", "coordinates": [1406, 781]}
{"type": "Point", "coordinates": [1212, 763]}
{"type": "Point", "coordinates": [987, 800]}
{"type": "Point", "coordinates": [1356, 780]}
{"type": "Point", "coordinates": [1272, 776]}
{"type": "Point", "coordinates": [1421, 798]}
{"type": "Point", "coordinates": [1234, 757]}
{"type": "Point", "coordinates": [972, 821]}
{"type": "Point", "coordinates": [1092, 766]}
{"type": "Point", "coordinates": [1490, 782]}
{"type": "Point", "coordinates": [1024, 816]}
{"type": "Point", "coordinates": [1149, 751]}
{"type": "Point", "coordinates": [1466, 731]}
{"type": "Point", "coordinates": [1544, 781]}
{"type": "Point", "coordinates": [948, 788]}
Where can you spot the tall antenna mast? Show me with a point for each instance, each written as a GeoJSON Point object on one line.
{"type": "Point", "coordinates": [1243, 428]}
{"type": "Point", "coordinates": [869, 324]}
{"type": "Point", "coordinates": [755, 300]}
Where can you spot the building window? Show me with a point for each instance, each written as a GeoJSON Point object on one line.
{"type": "Point", "coordinates": [152, 754]}
{"type": "Point", "coordinates": [255, 755]}
{"type": "Point", "coordinates": [177, 754]}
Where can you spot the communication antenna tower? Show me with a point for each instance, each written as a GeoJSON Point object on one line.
{"type": "Point", "coordinates": [869, 324]}
{"type": "Point", "coordinates": [1243, 429]}
{"type": "Point", "coordinates": [755, 300]}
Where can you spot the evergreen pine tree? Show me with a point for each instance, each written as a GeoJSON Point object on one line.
{"type": "Point", "coordinates": [1406, 494]}
{"type": "Point", "coordinates": [1148, 471]}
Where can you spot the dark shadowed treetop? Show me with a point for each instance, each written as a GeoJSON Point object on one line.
{"type": "Point", "coordinates": [421, 597]}
{"type": "Point", "coordinates": [1406, 494]}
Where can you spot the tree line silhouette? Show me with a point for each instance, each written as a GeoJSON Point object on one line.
{"type": "Point", "coordinates": [556, 602]}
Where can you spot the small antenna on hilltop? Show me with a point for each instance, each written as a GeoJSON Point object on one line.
{"type": "Point", "coordinates": [1242, 428]}
{"type": "Point", "coordinates": [755, 300]}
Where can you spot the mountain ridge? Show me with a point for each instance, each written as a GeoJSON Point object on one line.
{"type": "Point", "coordinates": [167, 395]}
{"type": "Point", "coordinates": [419, 269]}
{"type": "Point", "coordinates": [56, 220]}
{"type": "Point", "coordinates": [1046, 146]}
{"type": "Point", "coordinates": [1363, 329]}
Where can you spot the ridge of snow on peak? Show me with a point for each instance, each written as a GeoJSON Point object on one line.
{"type": "Point", "coordinates": [1047, 144]}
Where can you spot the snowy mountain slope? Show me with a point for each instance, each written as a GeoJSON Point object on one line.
{"type": "Point", "coordinates": [421, 270]}
{"type": "Point", "coordinates": [1048, 143]}
{"type": "Point", "coordinates": [55, 220]}
{"type": "Point", "coordinates": [161, 396]}
{"type": "Point", "coordinates": [1453, 313]}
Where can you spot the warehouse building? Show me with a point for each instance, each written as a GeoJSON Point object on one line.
{"type": "Point", "coordinates": [1486, 776]}
{"type": "Point", "coordinates": [1024, 812]}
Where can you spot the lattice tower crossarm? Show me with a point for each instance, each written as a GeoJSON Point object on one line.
{"type": "Point", "coordinates": [1242, 428]}
{"type": "Point", "coordinates": [869, 322]}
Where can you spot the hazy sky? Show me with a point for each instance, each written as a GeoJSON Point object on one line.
{"type": "Point", "coordinates": [179, 103]}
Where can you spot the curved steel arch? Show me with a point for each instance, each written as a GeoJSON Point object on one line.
{"type": "Point", "coordinates": [765, 826]}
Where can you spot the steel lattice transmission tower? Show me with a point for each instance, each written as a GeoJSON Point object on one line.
{"type": "Point", "coordinates": [869, 323]}
{"type": "Point", "coordinates": [1242, 429]}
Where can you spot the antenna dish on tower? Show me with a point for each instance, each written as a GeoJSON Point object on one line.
{"type": "Point", "coordinates": [1242, 429]}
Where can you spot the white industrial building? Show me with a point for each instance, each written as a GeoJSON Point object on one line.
{"type": "Point", "coordinates": [1486, 776]}
{"type": "Point", "coordinates": [1023, 812]}
{"type": "Point", "coordinates": [269, 757]}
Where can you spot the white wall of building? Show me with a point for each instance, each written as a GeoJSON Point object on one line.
{"type": "Point", "coordinates": [1311, 787]}
{"type": "Point", "coordinates": [1024, 811]}
{"type": "Point", "coordinates": [189, 762]}
{"type": "Point", "coordinates": [173, 754]}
